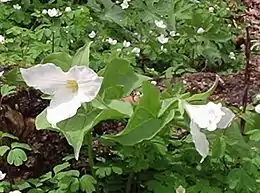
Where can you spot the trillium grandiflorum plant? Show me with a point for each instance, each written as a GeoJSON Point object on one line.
{"type": "Point", "coordinates": [210, 117]}
{"type": "Point", "coordinates": [69, 89]}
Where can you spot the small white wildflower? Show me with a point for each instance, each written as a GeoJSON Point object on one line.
{"type": "Point", "coordinates": [2, 39]}
{"type": "Point", "coordinates": [126, 44]}
{"type": "Point", "coordinates": [44, 11]}
{"type": "Point", "coordinates": [135, 34]}
{"type": "Point", "coordinates": [232, 56]}
{"type": "Point", "coordinates": [180, 189]}
{"type": "Point", "coordinates": [71, 41]}
{"type": "Point", "coordinates": [150, 31]}
{"type": "Point", "coordinates": [136, 50]}
{"type": "Point", "coordinates": [4, 1]}
{"type": "Point", "coordinates": [124, 5]}
{"type": "Point", "coordinates": [17, 6]}
{"type": "Point", "coordinates": [118, 49]}
{"type": "Point", "coordinates": [15, 191]}
{"type": "Point", "coordinates": [164, 49]}
{"type": "Point", "coordinates": [54, 12]}
{"type": "Point", "coordinates": [92, 34]}
{"type": "Point", "coordinates": [229, 25]}
{"type": "Point", "coordinates": [172, 33]}
{"type": "Point", "coordinates": [117, 2]}
{"type": "Point", "coordinates": [162, 39]}
{"type": "Point", "coordinates": [257, 108]}
{"type": "Point", "coordinates": [2, 175]}
{"type": "Point", "coordinates": [68, 9]}
{"type": "Point", "coordinates": [111, 41]}
{"type": "Point", "coordinates": [1, 74]}
{"type": "Point", "coordinates": [160, 24]}
{"type": "Point", "coordinates": [48, 42]}
{"type": "Point", "coordinates": [210, 117]}
{"type": "Point", "coordinates": [154, 82]}
{"type": "Point", "coordinates": [178, 34]}
{"type": "Point", "coordinates": [257, 97]}
{"type": "Point", "coordinates": [200, 30]}
{"type": "Point", "coordinates": [211, 9]}
{"type": "Point", "coordinates": [228, 9]}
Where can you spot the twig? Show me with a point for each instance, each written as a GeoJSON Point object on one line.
{"type": "Point", "coordinates": [247, 78]}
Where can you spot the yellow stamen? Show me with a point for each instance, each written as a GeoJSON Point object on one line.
{"type": "Point", "coordinates": [73, 85]}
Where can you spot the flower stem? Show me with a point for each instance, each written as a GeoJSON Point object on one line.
{"type": "Point", "coordinates": [90, 153]}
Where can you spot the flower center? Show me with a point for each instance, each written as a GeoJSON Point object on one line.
{"type": "Point", "coordinates": [73, 85]}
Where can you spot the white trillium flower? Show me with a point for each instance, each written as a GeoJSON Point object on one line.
{"type": "Point", "coordinates": [92, 34]}
{"type": "Point", "coordinates": [211, 9]}
{"type": "Point", "coordinates": [200, 30]}
{"type": "Point", "coordinates": [232, 56]}
{"type": "Point", "coordinates": [160, 24]}
{"type": "Point", "coordinates": [15, 191]}
{"type": "Point", "coordinates": [257, 108]}
{"type": "Point", "coordinates": [180, 189]}
{"type": "Point", "coordinates": [44, 11]}
{"type": "Point", "coordinates": [126, 44]}
{"type": "Point", "coordinates": [2, 175]}
{"type": "Point", "coordinates": [210, 117]}
{"type": "Point", "coordinates": [17, 6]}
{"type": "Point", "coordinates": [173, 33]}
{"type": "Point", "coordinates": [111, 41]}
{"type": "Point", "coordinates": [124, 5]}
{"type": "Point", "coordinates": [136, 50]}
{"type": "Point", "coordinates": [162, 39]}
{"type": "Point", "coordinates": [68, 9]}
{"type": "Point", "coordinates": [69, 89]}
{"type": "Point", "coordinates": [2, 39]}
{"type": "Point", "coordinates": [54, 12]}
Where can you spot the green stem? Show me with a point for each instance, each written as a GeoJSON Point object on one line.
{"type": "Point", "coordinates": [129, 182]}
{"type": "Point", "coordinates": [90, 153]}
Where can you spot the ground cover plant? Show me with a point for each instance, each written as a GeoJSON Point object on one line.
{"type": "Point", "coordinates": [131, 96]}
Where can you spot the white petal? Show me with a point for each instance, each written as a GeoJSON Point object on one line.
{"type": "Point", "coordinates": [200, 140]}
{"type": "Point", "coordinates": [63, 106]}
{"type": "Point", "coordinates": [226, 119]}
{"type": "Point", "coordinates": [1, 73]}
{"type": "Point", "coordinates": [89, 83]}
{"type": "Point", "coordinates": [46, 77]}
{"type": "Point", "coordinates": [257, 108]}
{"type": "Point", "coordinates": [15, 191]}
{"type": "Point", "coordinates": [2, 175]}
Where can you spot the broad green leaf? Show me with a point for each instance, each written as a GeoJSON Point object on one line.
{"type": "Point", "coordinates": [41, 122]}
{"type": "Point", "coordinates": [87, 183]}
{"type": "Point", "coordinates": [121, 106]}
{"type": "Point", "coordinates": [75, 128]}
{"type": "Point", "coordinates": [61, 59]}
{"type": "Point", "coordinates": [61, 167]}
{"type": "Point", "coordinates": [16, 156]}
{"type": "Point", "coordinates": [141, 126]}
{"type": "Point", "coordinates": [117, 170]}
{"type": "Point", "coordinates": [3, 150]}
{"type": "Point", "coordinates": [205, 95]}
{"type": "Point", "coordinates": [119, 72]}
{"type": "Point", "coordinates": [151, 98]}
{"type": "Point", "coordinates": [218, 147]}
{"type": "Point", "coordinates": [82, 55]}
{"type": "Point", "coordinates": [166, 104]}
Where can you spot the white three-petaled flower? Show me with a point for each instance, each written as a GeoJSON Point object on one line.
{"type": "Point", "coordinates": [162, 39]}
{"type": "Point", "coordinates": [160, 24]}
{"type": "Point", "coordinates": [2, 175]}
{"type": "Point", "coordinates": [210, 117]}
{"type": "Point", "coordinates": [69, 89]}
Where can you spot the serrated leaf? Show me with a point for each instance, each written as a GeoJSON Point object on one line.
{"type": "Point", "coordinates": [87, 183]}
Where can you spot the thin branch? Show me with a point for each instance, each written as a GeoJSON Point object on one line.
{"type": "Point", "coordinates": [246, 78]}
